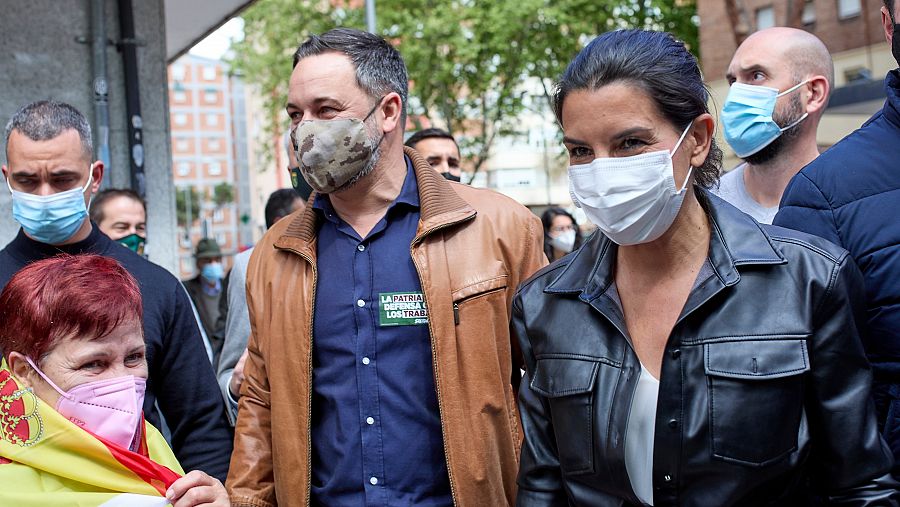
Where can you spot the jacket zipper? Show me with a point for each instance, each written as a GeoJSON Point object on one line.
{"type": "Point", "coordinates": [434, 362]}
{"type": "Point", "coordinates": [309, 377]}
{"type": "Point", "coordinates": [473, 296]}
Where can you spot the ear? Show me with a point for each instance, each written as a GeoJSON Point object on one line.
{"type": "Point", "coordinates": [701, 133]}
{"type": "Point", "coordinates": [818, 94]}
{"type": "Point", "coordinates": [97, 176]}
{"type": "Point", "coordinates": [888, 24]}
{"type": "Point", "coordinates": [21, 369]}
{"type": "Point", "coordinates": [392, 108]}
{"type": "Point", "coordinates": [5, 171]}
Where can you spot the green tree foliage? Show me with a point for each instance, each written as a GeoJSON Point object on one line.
{"type": "Point", "coordinates": [187, 198]}
{"type": "Point", "coordinates": [471, 62]}
{"type": "Point", "coordinates": [223, 194]}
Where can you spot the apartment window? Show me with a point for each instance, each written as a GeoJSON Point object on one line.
{"type": "Point", "coordinates": [178, 72]}
{"type": "Point", "coordinates": [857, 74]}
{"type": "Point", "coordinates": [214, 145]}
{"type": "Point", "coordinates": [210, 96]}
{"type": "Point", "coordinates": [218, 215]}
{"type": "Point", "coordinates": [181, 119]}
{"type": "Point", "coordinates": [180, 96]}
{"type": "Point", "coordinates": [220, 239]}
{"type": "Point", "coordinates": [849, 8]}
{"type": "Point", "coordinates": [809, 14]}
{"type": "Point", "coordinates": [182, 145]}
{"type": "Point", "coordinates": [209, 73]}
{"type": "Point", "coordinates": [184, 168]}
{"type": "Point", "coordinates": [765, 17]}
{"type": "Point", "coordinates": [212, 119]}
{"type": "Point", "coordinates": [215, 168]}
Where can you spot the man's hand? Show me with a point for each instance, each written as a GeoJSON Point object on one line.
{"type": "Point", "coordinates": [237, 376]}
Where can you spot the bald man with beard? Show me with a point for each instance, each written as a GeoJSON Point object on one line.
{"type": "Point", "coordinates": [793, 67]}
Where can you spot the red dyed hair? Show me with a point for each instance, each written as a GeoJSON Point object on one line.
{"type": "Point", "coordinates": [67, 296]}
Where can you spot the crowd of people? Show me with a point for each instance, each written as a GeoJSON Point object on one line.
{"type": "Point", "coordinates": [398, 337]}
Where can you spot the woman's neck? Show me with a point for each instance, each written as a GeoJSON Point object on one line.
{"type": "Point", "coordinates": [683, 246]}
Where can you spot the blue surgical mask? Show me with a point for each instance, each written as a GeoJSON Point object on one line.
{"type": "Point", "coordinates": [213, 272]}
{"type": "Point", "coordinates": [54, 218]}
{"type": "Point", "coordinates": [747, 117]}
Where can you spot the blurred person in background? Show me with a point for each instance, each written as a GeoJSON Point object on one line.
{"type": "Point", "coordinates": [685, 354]}
{"type": "Point", "coordinates": [439, 149]}
{"type": "Point", "coordinates": [72, 385]}
{"type": "Point", "coordinates": [561, 233]}
{"type": "Point", "coordinates": [230, 368]}
{"type": "Point", "coordinates": [121, 214]}
{"type": "Point", "coordinates": [51, 177]}
{"type": "Point", "coordinates": [205, 290]}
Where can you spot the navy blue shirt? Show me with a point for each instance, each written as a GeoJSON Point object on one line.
{"type": "Point", "coordinates": [376, 429]}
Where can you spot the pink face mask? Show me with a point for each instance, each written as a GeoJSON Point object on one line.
{"type": "Point", "coordinates": [110, 408]}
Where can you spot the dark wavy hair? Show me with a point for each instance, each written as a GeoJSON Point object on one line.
{"type": "Point", "coordinates": [656, 62]}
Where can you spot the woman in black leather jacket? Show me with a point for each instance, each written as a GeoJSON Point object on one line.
{"type": "Point", "coordinates": [686, 355]}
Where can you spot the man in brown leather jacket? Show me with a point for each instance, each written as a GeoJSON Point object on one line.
{"type": "Point", "coordinates": [380, 368]}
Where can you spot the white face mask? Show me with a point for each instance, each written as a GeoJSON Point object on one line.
{"type": "Point", "coordinates": [565, 242]}
{"type": "Point", "coordinates": [632, 200]}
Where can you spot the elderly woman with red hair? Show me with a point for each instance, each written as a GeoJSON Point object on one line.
{"type": "Point", "coordinates": [72, 383]}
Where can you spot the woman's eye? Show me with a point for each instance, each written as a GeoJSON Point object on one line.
{"type": "Point", "coordinates": [93, 365]}
{"type": "Point", "coordinates": [579, 152]}
{"type": "Point", "coordinates": [134, 358]}
{"type": "Point", "coordinates": [632, 144]}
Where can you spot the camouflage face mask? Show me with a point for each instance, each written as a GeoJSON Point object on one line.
{"type": "Point", "coordinates": [333, 152]}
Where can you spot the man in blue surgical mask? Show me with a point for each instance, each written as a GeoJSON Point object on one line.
{"type": "Point", "coordinates": [205, 290]}
{"type": "Point", "coordinates": [51, 176]}
{"type": "Point", "coordinates": [780, 82]}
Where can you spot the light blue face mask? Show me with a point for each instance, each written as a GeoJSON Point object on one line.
{"type": "Point", "coordinates": [54, 218]}
{"type": "Point", "coordinates": [213, 272]}
{"type": "Point", "coordinates": [747, 117]}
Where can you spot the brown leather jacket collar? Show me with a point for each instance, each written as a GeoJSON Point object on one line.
{"type": "Point", "coordinates": [440, 205]}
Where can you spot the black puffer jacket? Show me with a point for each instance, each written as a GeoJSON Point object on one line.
{"type": "Point", "coordinates": [764, 395]}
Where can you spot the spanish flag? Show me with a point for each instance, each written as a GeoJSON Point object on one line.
{"type": "Point", "coordinates": [48, 461]}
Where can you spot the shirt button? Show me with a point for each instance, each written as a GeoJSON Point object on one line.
{"type": "Point", "coordinates": [373, 480]}
{"type": "Point", "coordinates": [370, 420]}
{"type": "Point", "coordinates": [365, 360]}
{"type": "Point", "coordinates": [361, 247]}
{"type": "Point", "coordinates": [673, 423]}
{"type": "Point", "coordinates": [360, 303]}
{"type": "Point", "coordinates": [675, 353]}
{"type": "Point", "coordinates": [667, 478]}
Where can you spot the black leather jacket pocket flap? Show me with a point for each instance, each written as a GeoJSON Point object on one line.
{"type": "Point", "coordinates": [756, 359]}
{"type": "Point", "coordinates": [557, 377]}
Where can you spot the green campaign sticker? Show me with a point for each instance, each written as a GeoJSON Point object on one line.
{"type": "Point", "coordinates": [402, 309]}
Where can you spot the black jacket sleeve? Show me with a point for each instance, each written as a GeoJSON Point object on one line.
{"type": "Point", "coordinates": [188, 395]}
{"type": "Point", "coordinates": [540, 477]}
{"type": "Point", "coordinates": [853, 461]}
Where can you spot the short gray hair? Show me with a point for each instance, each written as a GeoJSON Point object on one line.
{"type": "Point", "coordinates": [46, 119]}
{"type": "Point", "coordinates": [379, 66]}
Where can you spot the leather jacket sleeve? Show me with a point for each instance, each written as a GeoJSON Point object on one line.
{"type": "Point", "coordinates": [853, 462]}
{"type": "Point", "coordinates": [533, 259]}
{"type": "Point", "coordinates": [251, 479]}
{"type": "Point", "coordinates": [540, 477]}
